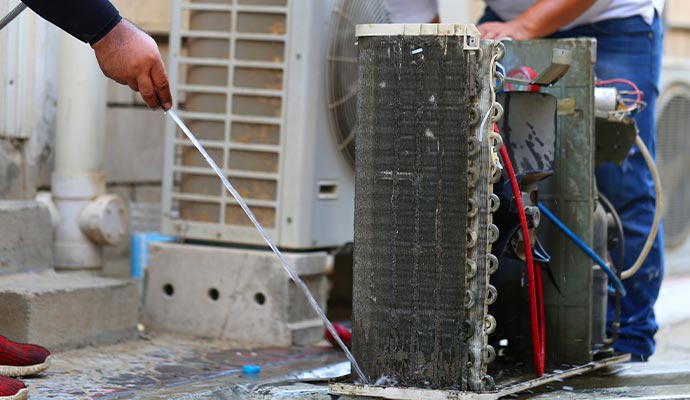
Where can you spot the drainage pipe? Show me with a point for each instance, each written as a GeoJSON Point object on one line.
{"type": "Point", "coordinates": [89, 218]}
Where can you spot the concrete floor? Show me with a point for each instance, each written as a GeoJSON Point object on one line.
{"type": "Point", "coordinates": [177, 368]}
{"type": "Point", "coordinates": [168, 367]}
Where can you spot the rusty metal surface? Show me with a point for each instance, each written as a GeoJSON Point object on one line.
{"type": "Point", "coordinates": [614, 138]}
{"type": "Point", "coordinates": [570, 193]}
{"type": "Point", "coordinates": [402, 393]}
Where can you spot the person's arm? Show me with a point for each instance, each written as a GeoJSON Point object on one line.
{"type": "Point", "coordinates": [86, 20]}
{"type": "Point", "coordinates": [130, 56]}
{"type": "Point", "coordinates": [541, 19]}
{"type": "Point", "coordinates": [124, 52]}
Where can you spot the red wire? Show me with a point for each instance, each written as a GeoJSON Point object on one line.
{"type": "Point", "coordinates": [630, 83]}
{"type": "Point", "coordinates": [534, 317]}
{"type": "Point", "coordinates": [542, 317]}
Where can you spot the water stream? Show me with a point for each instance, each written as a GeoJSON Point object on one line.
{"type": "Point", "coordinates": [289, 268]}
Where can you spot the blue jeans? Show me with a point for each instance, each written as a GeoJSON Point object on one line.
{"type": "Point", "coordinates": [630, 48]}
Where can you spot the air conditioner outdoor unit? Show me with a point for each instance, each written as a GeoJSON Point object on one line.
{"type": "Point", "coordinates": [673, 147]}
{"type": "Point", "coordinates": [252, 79]}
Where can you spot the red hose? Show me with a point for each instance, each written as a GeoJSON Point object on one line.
{"type": "Point", "coordinates": [542, 318]}
{"type": "Point", "coordinates": [538, 331]}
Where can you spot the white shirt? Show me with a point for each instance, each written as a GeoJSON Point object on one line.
{"type": "Point", "coordinates": [599, 11]}
{"type": "Point", "coordinates": [420, 11]}
{"type": "Point", "coordinates": [411, 11]}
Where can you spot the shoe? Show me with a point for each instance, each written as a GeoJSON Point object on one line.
{"type": "Point", "coordinates": [12, 389]}
{"type": "Point", "coordinates": [344, 334]}
{"type": "Point", "coordinates": [17, 359]}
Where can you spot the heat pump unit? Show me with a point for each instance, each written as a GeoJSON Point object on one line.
{"type": "Point", "coordinates": [673, 147]}
{"type": "Point", "coordinates": [274, 103]}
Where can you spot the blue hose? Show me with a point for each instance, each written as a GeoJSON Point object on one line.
{"type": "Point", "coordinates": [594, 256]}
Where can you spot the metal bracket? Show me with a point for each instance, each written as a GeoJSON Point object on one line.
{"type": "Point", "coordinates": [614, 138]}
{"type": "Point", "coordinates": [402, 393]}
{"type": "Point", "coordinates": [559, 66]}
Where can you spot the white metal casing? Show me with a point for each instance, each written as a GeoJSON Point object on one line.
{"type": "Point", "coordinates": [27, 75]}
{"type": "Point", "coordinates": [673, 146]}
{"type": "Point", "coordinates": [300, 186]}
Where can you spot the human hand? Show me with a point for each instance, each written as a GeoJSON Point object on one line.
{"type": "Point", "coordinates": [502, 30]}
{"type": "Point", "coordinates": [130, 57]}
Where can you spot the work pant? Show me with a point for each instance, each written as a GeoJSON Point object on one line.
{"type": "Point", "coordinates": [629, 48]}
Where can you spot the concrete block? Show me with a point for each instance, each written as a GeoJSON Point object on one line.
{"type": "Point", "coordinates": [11, 171]}
{"type": "Point", "coordinates": [26, 237]}
{"type": "Point", "coordinates": [134, 141]}
{"type": "Point", "coordinates": [63, 311]}
{"type": "Point", "coordinates": [238, 294]}
{"type": "Point", "coordinates": [147, 193]}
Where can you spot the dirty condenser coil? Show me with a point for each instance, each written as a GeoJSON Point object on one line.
{"type": "Point", "coordinates": [425, 161]}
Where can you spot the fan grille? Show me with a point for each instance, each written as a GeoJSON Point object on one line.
{"type": "Point", "coordinates": [342, 67]}
{"type": "Point", "coordinates": [673, 147]}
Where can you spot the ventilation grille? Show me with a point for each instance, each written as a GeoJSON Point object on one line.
{"type": "Point", "coordinates": [673, 148]}
{"type": "Point", "coordinates": [230, 84]}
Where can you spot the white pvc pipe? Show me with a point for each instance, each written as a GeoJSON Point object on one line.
{"type": "Point", "coordinates": [78, 176]}
{"type": "Point", "coordinates": [81, 109]}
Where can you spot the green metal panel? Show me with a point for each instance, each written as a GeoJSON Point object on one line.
{"type": "Point", "coordinates": [570, 193]}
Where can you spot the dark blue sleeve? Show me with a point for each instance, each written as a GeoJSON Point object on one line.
{"type": "Point", "coordinates": [87, 20]}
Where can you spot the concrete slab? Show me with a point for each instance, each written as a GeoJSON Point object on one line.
{"type": "Point", "coordinates": [232, 293]}
{"type": "Point", "coordinates": [26, 237]}
{"type": "Point", "coordinates": [61, 311]}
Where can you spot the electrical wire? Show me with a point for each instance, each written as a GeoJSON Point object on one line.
{"type": "Point", "coordinates": [12, 15]}
{"type": "Point", "coordinates": [631, 106]}
{"type": "Point", "coordinates": [538, 330]}
{"type": "Point", "coordinates": [594, 256]}
{"type": "Point", "coordinates": [541, 314]}
{"type": "Point", "coordinates": [636, 106]}
{"type": "Point", "coordinates": [657, 212]}
{"type": "Point", "coordinates": [636, 91]}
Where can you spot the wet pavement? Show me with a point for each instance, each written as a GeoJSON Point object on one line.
{"type": "Point", "coordinates": [178, 368]}
{"type": "Point", "coordinates": [182, 368]}
{"type": "Point", "coordinates": [168, 367]}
